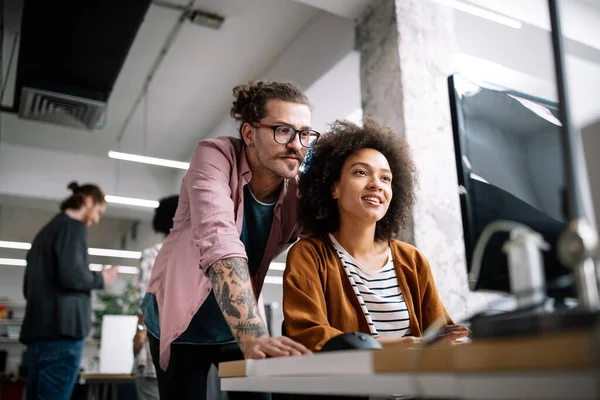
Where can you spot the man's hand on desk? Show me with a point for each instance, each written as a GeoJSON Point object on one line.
{"type": "Point", "coordinates": [232, 288]}
{"type": "Point", "coordinates": [263, 347]}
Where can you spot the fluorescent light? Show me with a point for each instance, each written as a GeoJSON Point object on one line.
{"type": "Point", "coordinates": [277, 266]}
{"type": "Point", "coordinates": [136, 255]}
{"type": "Point", "coordinates": [123, 269]}
{"type": "Point", "coordinates": [276, 280]}
{"type": "Point", "coordinates": [148, 160]}
{"type": "Point", "coordinates": [130, 201]}
{"type": "Point", "coordinates": [482, 12]}
{"type": "Point", "coordinates": [15, 245]}
{"type": "Point", "coordinates": [13, 261]}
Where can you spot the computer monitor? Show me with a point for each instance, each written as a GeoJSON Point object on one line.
{"type": "Point", "coordinates": [510, 167]}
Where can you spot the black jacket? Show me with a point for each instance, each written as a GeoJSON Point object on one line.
{"type": "Point", "coordinates": [58, 282]}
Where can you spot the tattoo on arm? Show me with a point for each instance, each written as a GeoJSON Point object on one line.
{"type": "Point", "coordinates": [238, 267]}
{"type": "Point", "coordinates": [246, 298]}
{"type": "Point", "coordinates": [233, 291]}
{"type": "Point", "coordinates": [226, 304]}
{"type": "Point", "coordinates": [250, 328]}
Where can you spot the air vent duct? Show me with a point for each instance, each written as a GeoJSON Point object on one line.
{"type": "Point", "coordinates": [60, 108]}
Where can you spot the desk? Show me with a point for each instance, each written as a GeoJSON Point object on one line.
{"type": "Point", "coordinates": [562, 366]}
{"type": "Point", "coordinates": [99, 385]}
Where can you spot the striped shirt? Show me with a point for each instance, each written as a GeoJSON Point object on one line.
{"type": "Point", "coordinates": [378, 293]}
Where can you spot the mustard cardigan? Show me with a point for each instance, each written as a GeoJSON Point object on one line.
{"type": "Point", "coordinates": [319, 302]}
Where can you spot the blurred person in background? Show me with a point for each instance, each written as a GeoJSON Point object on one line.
{"type": "Point", "coordinates": [143, 369]}
{"type": "Point", "coordinates": [57, 287]}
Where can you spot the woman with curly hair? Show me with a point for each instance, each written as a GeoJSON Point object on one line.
{"type": "Point", "coordinates": [350, 274]}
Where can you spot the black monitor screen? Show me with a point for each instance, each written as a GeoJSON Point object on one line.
{"type": "Point", "coordinates": [509, 160]}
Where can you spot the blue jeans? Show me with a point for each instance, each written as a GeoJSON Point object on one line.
{"type": "Point", "coordinates": [53, 367]}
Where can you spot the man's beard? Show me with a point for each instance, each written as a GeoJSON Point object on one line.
{"type": "Point", "coordinates": [278, 166]}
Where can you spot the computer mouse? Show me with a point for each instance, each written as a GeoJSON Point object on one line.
{"type": "Point", "coordinates": [351, 341]}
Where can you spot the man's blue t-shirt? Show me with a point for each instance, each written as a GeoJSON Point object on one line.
{"type": "Point", "coordinates": [209, 326]}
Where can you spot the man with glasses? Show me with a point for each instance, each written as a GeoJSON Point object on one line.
{"type": "Point", "coordinates": [236, 213]}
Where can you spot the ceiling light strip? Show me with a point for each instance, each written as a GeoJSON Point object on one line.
{"type": "Point", "coordinates": [275, 280]}
{"type": "Point", "coordinates": [131, 201]}
{"type": "Point", "coordinates": [13, 262]}
{"type": "Point", "coordinates": [92, 251]}
{"type": "Point", "coordinates": [148, 160]}
{"type": "Point", "coordinates": [16, 262]}
{"type": "Point", "coordinates": [123, 269]}
{"type": "Point", "coordinates": [135, 255]}
{"type": "Point", "coordinates": [482, 12]}
{"type": "Point", "coordinates": [277, 266]}
{"type": "Point", "coordinates": [15, 245]}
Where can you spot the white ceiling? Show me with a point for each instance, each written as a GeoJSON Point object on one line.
{"type": "Point", "coordinates": [192, 88]}
{"type": "Point", "coordinates": [190, 95]}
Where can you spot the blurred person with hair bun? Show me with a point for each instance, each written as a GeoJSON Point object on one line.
{"type": "Point", "coordinates": [57, 287]}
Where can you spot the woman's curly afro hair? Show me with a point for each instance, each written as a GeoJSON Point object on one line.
{"type": "Point", "coordinates": [318, 211]}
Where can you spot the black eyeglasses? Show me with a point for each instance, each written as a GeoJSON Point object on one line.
{"type": "Point", "coordinates": [284, 134]}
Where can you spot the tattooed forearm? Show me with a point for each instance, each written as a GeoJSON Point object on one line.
{"type": "Point", "coordinates": [246, 298]}
{"type": "Point", "coordinates": [234, 294]}
{"type": "Point", "coordinates": [254, 329]}
{"type": "Point", "coordinates": [237, 266]}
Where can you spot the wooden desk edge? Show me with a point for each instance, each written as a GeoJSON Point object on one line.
{"type": "Point", "coordinates": [232, 369]}
{"type": "Point", "coordinates": [571, 350]}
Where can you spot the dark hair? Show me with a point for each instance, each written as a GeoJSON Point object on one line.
{"type": "Point", "coordinates": [164, 213]}
{"type": "Point", "coordinates": [318, 211]}
{"type": "Point", "coordinates": [76, 200]}
{"type": "Point", "coordinates": [251, 99]}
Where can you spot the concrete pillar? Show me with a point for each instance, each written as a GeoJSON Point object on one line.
{"type": "Point", "coordinates": [407, 48]}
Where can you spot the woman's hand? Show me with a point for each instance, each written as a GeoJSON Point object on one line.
{"type": "Point", "coordinates": [400, 342]}
{"type": "Point", "coordinates": [450, 333]}
{"type": "Point", "coordinates": [447, 334]}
